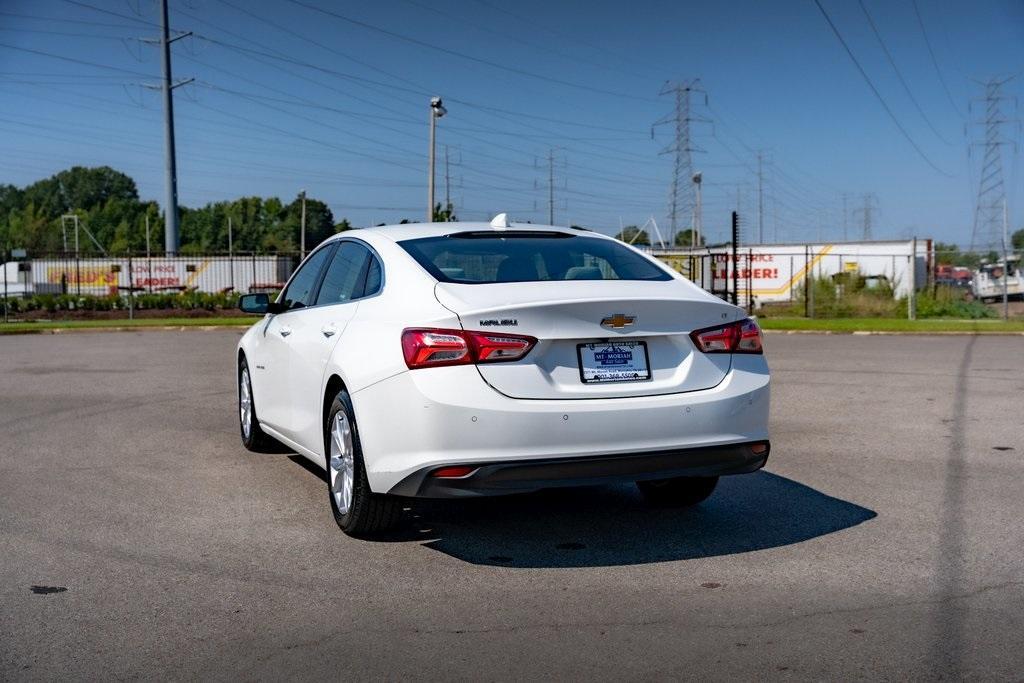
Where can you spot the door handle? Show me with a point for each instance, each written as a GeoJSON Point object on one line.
{"type": "Point", "coordinates": [329, 330]}
{"type": "Point", "coordinates": [285, 330]}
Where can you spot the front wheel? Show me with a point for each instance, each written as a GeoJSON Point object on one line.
{"type": "Point", "coordinates": [679, 491]}
{"type": "Point", "coordinates": [253, 438]}
{"type": "Point", "coordinates": [357, 510]}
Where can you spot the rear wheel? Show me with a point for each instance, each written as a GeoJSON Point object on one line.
{"type": "Point", "coordinates": [253, 438]}
{"type": "Point", "coordinates": [357, 510]}
{"type": "Point", "coordinates": [679, 491]}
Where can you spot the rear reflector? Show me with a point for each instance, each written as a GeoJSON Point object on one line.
{"type": "Point", "coordinates": [453, 472]}
{"type": "Point", "coordinates": [759, 448]}
{"type": "Point", "coordinates": [428, 348]}
{"type": "Point", "coordinates": [743, 336]}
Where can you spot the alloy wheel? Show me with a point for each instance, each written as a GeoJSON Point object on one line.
{"type": "Point", "coordinates": [342, 463]}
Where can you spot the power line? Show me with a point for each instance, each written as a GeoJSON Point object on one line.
{"type": "Point", "coordinates": [878, 95]}
{"type": "Point", "coordinates": [74, 60]}
{"type": "Point", "coordinates": [462, 55]}
{"type": "Point", "coordinates": [935, 62]}
{"type": "Point", "coordinates": [83, 22]}
{"type": "Point", "coordinates": [899, 74]}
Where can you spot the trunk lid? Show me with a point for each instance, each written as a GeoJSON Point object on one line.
{"type": "Point", "coordinates": [566, 314]}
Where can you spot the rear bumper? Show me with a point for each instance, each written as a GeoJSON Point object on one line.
{"type": "Point", "coordinates": [490, 479]}
{"type": "Point", "coordinates": [423, 419]}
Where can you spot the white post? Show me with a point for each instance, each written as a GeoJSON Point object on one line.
{"type": "Point", "coordinates": [231, 257]}
{"type": "Point", "coordinates": [912, 297]}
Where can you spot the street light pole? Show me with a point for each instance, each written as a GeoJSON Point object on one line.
{"type": "Point", "coordinates": [437, 110]}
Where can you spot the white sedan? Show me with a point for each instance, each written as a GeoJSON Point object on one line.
{"type": "Point", "coordinates": [466, 359]}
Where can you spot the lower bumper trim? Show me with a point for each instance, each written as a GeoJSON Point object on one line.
{"type": "Point", "coordinates": [489, 479]}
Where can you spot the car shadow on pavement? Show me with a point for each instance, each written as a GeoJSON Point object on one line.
{"type": "Point", "coordinates": [612, 526]}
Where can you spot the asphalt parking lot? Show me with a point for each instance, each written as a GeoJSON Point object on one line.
{"type": "Point", "coordinates": [884, 540]}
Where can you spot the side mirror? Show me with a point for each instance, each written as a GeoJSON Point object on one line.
{"type": "Point", "coordinates": [259, 304]}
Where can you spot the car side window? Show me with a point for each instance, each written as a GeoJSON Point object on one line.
{"type": "Point", "coordinates": [346, 276]}
{"type": "Point", "coordinates": [299, 292]}
{"type": "Point", "coordinates": [373, 277]}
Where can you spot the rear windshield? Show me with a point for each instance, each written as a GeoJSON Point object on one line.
{"type": "Point", "coordinates": [488, 257]}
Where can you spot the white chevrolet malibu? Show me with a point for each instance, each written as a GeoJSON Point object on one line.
{"type": "Point", "coordinates": [467, 359]}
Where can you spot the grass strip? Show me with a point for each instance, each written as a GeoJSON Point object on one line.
{"type": "Point", "coordinates": [73, 325]}
{"type": "Point", "coordinates": [897, 325]}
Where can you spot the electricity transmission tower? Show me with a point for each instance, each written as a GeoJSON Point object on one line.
{"type": "Point", "coordinates": [867, 214]}
{"type": "Point", "coordinates": [987, 231]}
{"type": "Point", "coordinates": [681, 197]}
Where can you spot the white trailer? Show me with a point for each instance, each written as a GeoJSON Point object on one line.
{"type": "Point", "coordinates": [100, 276]}
{"type": "Point", "coordinates": [993, 279]}
{"type": "Point", "coordinates": [776, 272]}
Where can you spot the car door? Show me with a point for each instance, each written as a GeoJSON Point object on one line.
{"type": "Point", "coordinates": [315, 334]}
{"type": "Point", "coordinates": [273, 350]}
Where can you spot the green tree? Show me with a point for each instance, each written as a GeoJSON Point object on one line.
{"type": "Point", "coordinates": [319, 222]}
{"type": "Point", "coordinates": [950, 254]}
{"type": "Point", "coordinates": [631, 234]}
{"type": "Point", "coordinates": [1017, 240]}
{"type": "Point", "coordinates": [444, 215]}
{"type": "Point", "coordinates": [684, 238]}
{"type": "Point", "coordinates": [107, 204]}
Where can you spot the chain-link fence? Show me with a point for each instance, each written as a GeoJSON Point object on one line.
{"type": "Point", "coordinates": [904, 280]}
{"type": "Point", "coordinates": [899, 279]}
{"type": "Point", "coordinates": [124, 284]}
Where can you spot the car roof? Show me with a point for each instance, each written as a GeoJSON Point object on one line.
{"type": "Point", "coordinates": [406, 231]}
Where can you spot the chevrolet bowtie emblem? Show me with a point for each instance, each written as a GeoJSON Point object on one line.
{"type": "Point", "coordinates": [618, 321]}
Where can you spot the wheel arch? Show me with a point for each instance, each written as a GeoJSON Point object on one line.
{"type": "Point", "coordinates": [333, 385]}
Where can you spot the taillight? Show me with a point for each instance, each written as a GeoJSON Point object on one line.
{"type": "Point", "coordinates": [743, 336]}
{"type": "Point", "coordinates": [429, 348]}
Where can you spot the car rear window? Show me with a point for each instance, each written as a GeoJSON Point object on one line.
{"type": "Point", "coordinates": [533, 256]}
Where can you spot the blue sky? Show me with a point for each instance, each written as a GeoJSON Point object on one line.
{"type": "Point", "coordinates": [287, 97]}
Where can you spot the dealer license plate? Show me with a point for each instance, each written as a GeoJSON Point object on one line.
{"type": "Point", "coordinates": [620, 361]}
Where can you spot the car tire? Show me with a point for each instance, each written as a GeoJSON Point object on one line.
{"type": "Point", "coordinates": [357, 510]}
{"type": "Point", "coordinates": [253, 438]}
{"type": "Point", "coordinates": [679, 491]}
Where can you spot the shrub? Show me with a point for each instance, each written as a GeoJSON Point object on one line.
{"type": "Point", "coordinates": [52, 303]}
{"type": "Point", "coordinates": [947, 302]}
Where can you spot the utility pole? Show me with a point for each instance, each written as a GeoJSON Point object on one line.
{"type": "Point", "coordinates": [167, 86]}
{"type": "Point", "coordinates": [760, 200]}
{"type": "Point", "coordinates": [437, 110]}
{"type": "Point", "coordinates": [551, 186]}
{"type": "Point", "coordinates": [1006, 260]}
{"type": "Point", "coordinates": [680, 201]}
{"type": "Point", "coordinates": [985, 233]}
{"type": "Point", "coordinates": [698, 222]}
{"type": "Point", "coordinates": [845, 236]}
{"type": "Point", "coordinates": [447, 181]}
{"type": "Point", "coordinates": [302, 231]}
